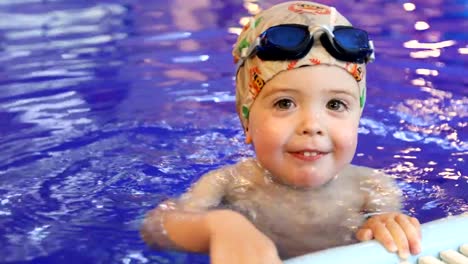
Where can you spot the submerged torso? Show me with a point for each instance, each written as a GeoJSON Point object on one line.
{"type": "Point", "coordinates": [298, 221]}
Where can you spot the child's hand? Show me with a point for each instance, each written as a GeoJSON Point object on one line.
{"type": "Point", "coordinates": [233, 239]}
{"type": "Point", "coordinates": [396, 232]}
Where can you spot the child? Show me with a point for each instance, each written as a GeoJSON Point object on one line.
{"type": "Point", "coordinates": [300, 91]}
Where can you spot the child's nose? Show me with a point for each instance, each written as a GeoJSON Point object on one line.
{"type": "Point", "coordinates": [310, 125]}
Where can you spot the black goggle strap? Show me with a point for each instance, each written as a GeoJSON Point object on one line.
{"type": "Point", "coordinates": [247, 53]}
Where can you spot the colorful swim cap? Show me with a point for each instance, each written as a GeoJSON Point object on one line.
{"type": "Point", "coordinates": [254, 73]}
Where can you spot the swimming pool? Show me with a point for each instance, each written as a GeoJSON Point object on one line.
{"type": "Point", "coordinates": [108, 107]}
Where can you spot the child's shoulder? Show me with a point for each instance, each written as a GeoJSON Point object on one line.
{"type": "Point", "coordinates": [244, 164]}
{"type": "Point", "coordinates": [241, 169]}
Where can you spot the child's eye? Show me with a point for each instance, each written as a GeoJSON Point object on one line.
{"type": "Point", "coordinates": [337, 105]}
{"type": "Point", "coordinates": [284, 104]}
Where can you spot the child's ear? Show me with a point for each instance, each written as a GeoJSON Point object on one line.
{"type": "Point", "coordinates": [248, 138]}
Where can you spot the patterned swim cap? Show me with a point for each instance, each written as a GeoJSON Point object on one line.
{"type": "Point", "coordinates": [255, 73]}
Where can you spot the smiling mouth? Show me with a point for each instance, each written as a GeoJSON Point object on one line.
{"type": "Point", "coordinates": [308, 155]}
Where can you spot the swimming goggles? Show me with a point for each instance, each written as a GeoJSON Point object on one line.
{"type": "Point", "coordinates": [294, 41]}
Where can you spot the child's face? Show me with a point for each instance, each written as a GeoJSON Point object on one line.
{"type": "Point", "coordinates": [304, 124]}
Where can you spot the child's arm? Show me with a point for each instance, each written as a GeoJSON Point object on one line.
{"type": "Point", "coordinates": [228, 236]}
{"type": "Point", "coordinates": [386, 224]}
{"type": "Point", "coordinates": [188, 225]}
{"type": "Point", "coordinates": [206, 193]}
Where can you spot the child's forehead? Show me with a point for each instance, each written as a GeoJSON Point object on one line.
{"type": "Point", "coordinates": [320, 75]}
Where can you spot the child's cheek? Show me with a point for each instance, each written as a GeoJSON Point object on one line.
{"type": "Point", "coordinates": [349, 140]}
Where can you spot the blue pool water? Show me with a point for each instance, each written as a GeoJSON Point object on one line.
{"type": "Point", "coordinates": [108, 107]}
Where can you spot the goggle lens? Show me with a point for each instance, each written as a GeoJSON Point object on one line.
{"type": "Point", "coordinates": [287, 37]}
{"type": "Point", "coordinates": [351, 39]}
